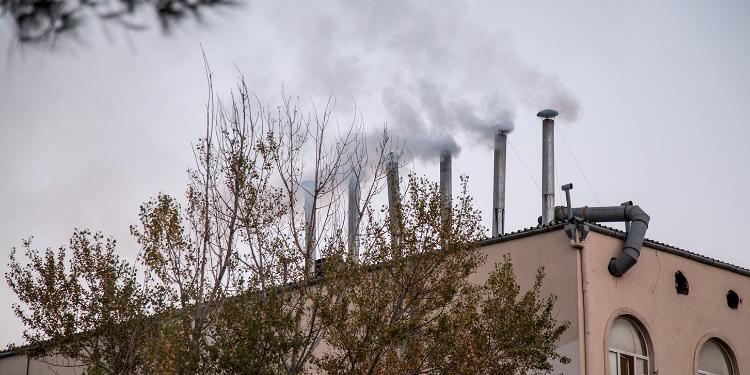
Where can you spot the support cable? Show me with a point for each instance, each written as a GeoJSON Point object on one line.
{"type": "Point", "coordinates": [524, 165]}
{"type": "Point", "coordinates": [580, 169]}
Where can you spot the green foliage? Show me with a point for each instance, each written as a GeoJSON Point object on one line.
{"type": "Point", "coordinates": [499, 330]}
{"type": "Point", "coordinates": [245, 334]}
{"type": "Point", "coordinates": [81, 302]}
{"type": "Point", "coordinates": [519, 333]}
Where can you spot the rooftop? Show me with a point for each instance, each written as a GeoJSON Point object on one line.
{"type": "Point", "coordinates": [609, 231]}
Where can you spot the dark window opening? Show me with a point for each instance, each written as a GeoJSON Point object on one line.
{"type": "Point", "coordinates": [733, 300]}
{"type": "Point", "coordinates": [627, 365]}
{"type": "Point", "coordinates": [681, 283]}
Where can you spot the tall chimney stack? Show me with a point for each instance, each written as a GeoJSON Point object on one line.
{"type": "Point", "coordinates": [446, 179]}
{"type": "Point", "coordinates": [353, 220]}
{"type": "Point", "coordinates": [309, 189]}
{"type": "Point", "coordinates": [498, 187]}
{"type": "Point", "coordinates": [548, 164]}
{"type": "Point", "coordinates": [446, 190]}
{"type": "Point", "coordinates": [393, 187]}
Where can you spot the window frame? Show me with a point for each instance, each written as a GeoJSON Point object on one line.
{"type": "Point", "coordinates": [646, 341]}
{"type": "Point", "coordinates": [724, 347]}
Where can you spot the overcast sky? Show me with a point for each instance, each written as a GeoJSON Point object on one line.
{"type": "Point", "coordinates": [652, 98]}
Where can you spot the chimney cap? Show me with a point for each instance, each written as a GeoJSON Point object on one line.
{"type": "Point", "coordinates": [547, 113]}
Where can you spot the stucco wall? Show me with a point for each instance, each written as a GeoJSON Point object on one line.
{"type": "Point", "coordinates": [676, 324]}
{"type": "Point", "coordinates": [551, 250]}
{"type": "Point", "coordinates": [13, 365]}
{"type": "Point", "coordinates": [17, 365]}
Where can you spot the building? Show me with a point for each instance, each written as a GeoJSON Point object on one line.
{"type": "Point", "coordinates": [672, 312]}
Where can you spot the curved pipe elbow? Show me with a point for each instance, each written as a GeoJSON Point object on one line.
{"type": "Point", "coordinates": [618, 266]}
{"type": "Point", "coordinates": [636, 213]}
{"type": "Point", "coordinates": [638, 219]}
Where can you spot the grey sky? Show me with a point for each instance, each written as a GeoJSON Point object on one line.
{"type": "Point", "coordinates": [88, 132]}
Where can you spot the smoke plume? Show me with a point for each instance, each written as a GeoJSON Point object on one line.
{"type": "Point", "coordinates": [431, 72]}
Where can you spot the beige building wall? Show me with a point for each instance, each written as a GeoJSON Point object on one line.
{"type": "Point", "coordinates": [676, 324]}
{"type": "Point", "coordinates": [21, 365]}
{"type": "Point", "coordinates": [560, 261]}
{"type": "Point", "coordinates": [12, 365]}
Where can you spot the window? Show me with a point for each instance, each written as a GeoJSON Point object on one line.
{"type": "Point", "coordinates": [733, 300]}
{"type": "Point", "coordinates": [714, 359]}
{"type": "Point", "coordinates": [628, 352]}
{"type": "Point", "coordinates": [681, 283]}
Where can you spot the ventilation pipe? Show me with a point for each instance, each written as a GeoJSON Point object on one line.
{"type": "Point", "coordinates": [548, 164]}
{"type": "Point", "coordinates": [309, 189]}
{"type": "Point", "coordinates": [392, 182]}
{"type": "Point", "coordinates": [446, 177]}
{"type": "Point", "coordinates": [498, 186]}
{"type": "Point", "coordinates": [636, 233]}
{"type": "Point", "coordinates": [353, 220]}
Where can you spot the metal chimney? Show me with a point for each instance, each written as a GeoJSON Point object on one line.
{"type": "Point", "coordinates": [498, 186]}
{"type": "Point", "coordinates": [548, 165]}
{"type": "Point", "coordinates": [309, 189]}
{"type": "Point", "coordinates": [445, 194]}
{"type": "Point", "coordinates": [446, 179]}
{"type": "Point", "coordinates": [353, 220]}
{"type": "Point", "coordinates": [392, 180]}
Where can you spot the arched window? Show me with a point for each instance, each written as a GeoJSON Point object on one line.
{"type": "Point", "coordinates": [628, 351]}
{"type": "Point", "coordinates": [715, 359]}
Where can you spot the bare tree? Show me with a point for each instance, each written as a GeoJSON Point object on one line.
{"type": "Point", "coordinates": [253, 269]}
{"type": "Point", "coordinates": [263, 206]}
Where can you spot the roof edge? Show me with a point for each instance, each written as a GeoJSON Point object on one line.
{"type": "Point", "coordinates": [612, 232]}
{"type": "Point", "coordinates": [674, 250]}
{"type": "Point", "coordinates": [9, 353]}
{"type": "Point", "coordinates": [527, 232]}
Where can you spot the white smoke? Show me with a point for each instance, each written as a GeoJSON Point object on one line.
{"type": "Point", "coordinates": [432, 72]}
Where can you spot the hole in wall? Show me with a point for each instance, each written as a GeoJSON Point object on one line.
{"type": "Point", "coordinates": [733, 300]}
{"type": "Point", "coordinates": [681, 283]}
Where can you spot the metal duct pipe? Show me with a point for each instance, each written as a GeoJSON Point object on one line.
{"type": "Point", "coordinates": [446, 189]}
{"type": "Point", "coordinates": [446, 179]}
{"type": "Point", "coordinates": [353, 220]}
{"type": "Point", "coordinates": [498, 186]}
{"type": "Point", "coordinates": [637, 218]}
{"type": "Point", "coordinates": [392, 181]}
{"type": "Point", "coordinates": [309, 189]}
{"type": "Point", "coordinates": [548, 164]}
